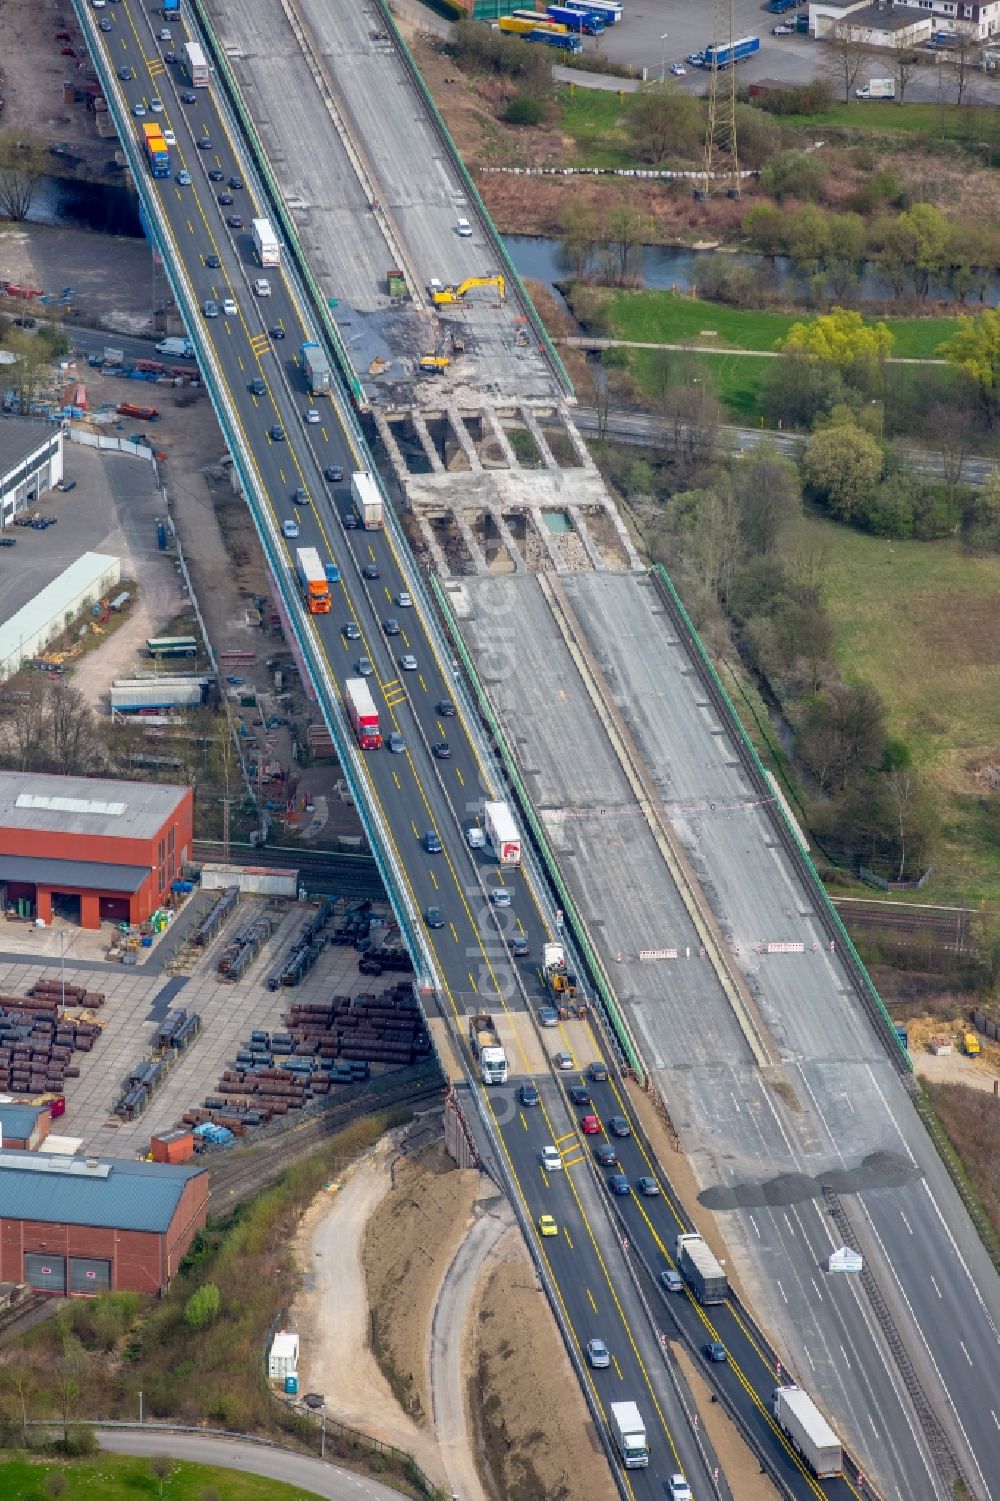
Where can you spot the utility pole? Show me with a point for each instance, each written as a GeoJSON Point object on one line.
{"type": "Point", "coordinates": [720, 132]}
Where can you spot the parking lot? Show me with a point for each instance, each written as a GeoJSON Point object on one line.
{"type": "Point", "coordinates": [137, 1001]}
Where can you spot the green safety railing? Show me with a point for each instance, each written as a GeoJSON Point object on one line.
{"type": "Point", "coordinates": [319, 304]}
{"type": "Point", "coordinates": [500, 248]}
{"type": "Point", "coordinates": [581, 937]}
{"type": "Point", "coordinates": [749, 752]}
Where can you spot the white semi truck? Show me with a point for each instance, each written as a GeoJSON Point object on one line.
{"type": "Point", "coordinates": [801, 1421]}
{"type": "Point", "coordinates": [367, 500]}
{"type": "Point", "coordinates": [502, 833]}
{"type": "Point", "coordinates": [488, 1049]}
{"type": "Point", "coordinates": [629, 1434]}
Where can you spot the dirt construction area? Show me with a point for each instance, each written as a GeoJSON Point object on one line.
{"type": "Point", "coordinates": [417, 1290]}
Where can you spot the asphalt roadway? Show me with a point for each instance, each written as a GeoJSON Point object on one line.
{"type": "Point", "coordinates": [590, 1284]}
{"type": "Point", "coordinates": [272, 1462]}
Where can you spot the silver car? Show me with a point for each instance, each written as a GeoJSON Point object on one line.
{"type": "Point", "coordinates": [598, 1354]}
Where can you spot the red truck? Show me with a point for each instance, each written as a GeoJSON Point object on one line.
{"type": "Point", "coordinates": [130, 409]}
{"type": "Point", "coordinates": [363, 713]}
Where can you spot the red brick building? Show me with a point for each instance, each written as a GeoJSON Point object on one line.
{"type": "Point", "coordinates": [78, 1227]}
{"type": "Point", "coordinates": [23, 1128]}
{"type": "Point", "coordinates": [88, 850]}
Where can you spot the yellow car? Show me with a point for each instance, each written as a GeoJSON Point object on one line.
{"type": "Point", "coordinates": [547, 1225]}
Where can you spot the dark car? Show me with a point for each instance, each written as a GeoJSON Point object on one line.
{"type": "Point", "coordinates": [276, 332]}
{"type": "Point", "coordinates": [597, 1073]}
{"type": "Point", "coordinates": [648, 1187]}
{"type": "Point", "coordinates": [189, 96]}
{"type": "Point", "coordinates": [212, 262]}
{"type": "Point", "coordinates": [714, 1351]}
{"type": "Point", "coordinates": [619, 1184]}
{"type": "Point", "coordinates": [126, 74]}
{"type": "Point", "coordinates": [8, 541]}
{"type": "Point", "coordinates": [277, 433]}
{"type": "Point", "coordinates": [352, 631]}
{"type": "Point", "coordinates": [236, 183]}
{"type": "Point", "coordinates": [391, 626]}
{"type": "Point", "coordinates": [604, 1155]}
{"type": "Point", "coordinates": [528, 1095]}
{"type": "Point", "coordinates": [170, 57]}
{"type": "Point", "coordinates": [370, 571]}
{"type": "Point", "coordinates": [225, 199]}
{"type": "Point", "coordinates": [442, 750]}
{"type": "Point", "coordinates": [619, 1126]}
{"type": "Point", "coordinates": [350, 521]}
{"type": "Point", "coordinates": [578, 1095]}
{"type": "Point", "coordinates": [334, 475]}
{"type": "Point", "coordinates": [256, 387]}
{"type": "Point", "coordinates": [204, 143]}
{"type": "Point", "coordinates": [216, 174]}
{"type": "Point", "coordinates": [234, 221]}
{"type": "Point", "coordinates": [105, 25]}
{"type": "Point", "coordinates": [519, 947]}
{"type": "Point", "coordinates": [433, 918]}
{"type": "Point", "coordinates": [432, 843]}
{"type": "Point", "coordinates": [445, 708]}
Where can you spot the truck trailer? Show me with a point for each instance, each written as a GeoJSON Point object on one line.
{"type": "Point", "coordinates": [629, 1434]}
{"type": "Point", "coordinates": [138, 695]}
{"type": "Point", "coordinates": [266, 245]}
{"type": "Point", "coordinates": [487, 1049]}
{"type": "Point", "coordinates": [801, 1421]}
{"type": "Point", "coordinates": [362, 713]}
{"type": "Point", "coordinates": [501, 831]}
{"type": "Point", "coordinates": [367, 500]}
{"type": "Point", "coordinates": [726, 55]}
{"type": "Point", "coordinates": [563, 42]}
{"type": "Point", "coordinates": [313, 580]}
{"type": "Point", "coordinates": [700, 1270]}
{"type": "Point", "coordinates": [317, 369]}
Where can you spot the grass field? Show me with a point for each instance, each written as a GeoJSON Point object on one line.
{"type": "Point", "coordinates": [594, 120]}
{"type": "Point", "coordinates": [112, 1477]}
{"type": "Point", "coordinates": [919, 622]}
{"type": "Point", "coordinates": [666, 318]}
{"type": "Point", "coordinates": [735, 379]}
{"type": "Point", "coordinates": [941, 122]}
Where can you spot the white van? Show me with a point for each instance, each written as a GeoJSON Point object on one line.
{"type": "Point", "coordinates": [475, 838]}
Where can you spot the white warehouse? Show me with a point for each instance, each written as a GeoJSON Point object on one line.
{"type": "Point", "coordinates": [31, 462]}
{"type": "Point", "coordinates": [30, 630]}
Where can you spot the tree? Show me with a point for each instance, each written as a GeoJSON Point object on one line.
{"type": "Point", "coordinates": [22, 163]}
{"type": "Point", "coordinates": [767, 491]}
{"type": "Point", "coordinates": [904, 64]}
{"type": "Point", "coordinates": [23, 725]}
{"type": "Point", "coordinates": [202, 1308]}
{"type": "Point", "coordinates": [795, 174]}
{"type": "Point", "coordinates": [664, 122]}
{"type": "Point", "coordinates": [693, 415]}
{"type": "Point", "coordinates": [955, 436]}
{"type": "Point", "coordinates": [841, 338]}
{"type": "Point", "coordinates": [69, 1377]}
{"type": "Point", "coordinates": [74, 742]}
{"type": "Point", "coordinates": [889, 510]}
{"type": "Point", "coordinates": [841, 467]}
{"type": "Point", "coordinates": [975, 350]}
{"type": "Point", "coordinates": [982, 520]}
{"type": "Point", "coordinates": [808, 236]}
{"type": "Point", "coordinates": [578, 238]}
{"type": "Point", "coordinates": [846, 49]}
{"type": "Point", "coordinates": [626, 229]}
{"type": "Point", "coordinates": [705, 527]}
{"type": "Point", "coordinates": [21, 1375]}
{"type": "Point", "coordinates": [161, 1467]}
{"type": "Point", "coordinates": [964, 56]}
{"type": "Point", "coordinates": [797, 390]}
{"type": "Point", "coordinates": [843, 734]}
{"type": "Point", "coordinates": [927, 233]}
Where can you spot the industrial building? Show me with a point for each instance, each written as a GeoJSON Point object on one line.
{"type": "Point", "coordinates": [887, 26]}
{"type": "Point", "coordinates": [89, 850]}
{"type": "Point", "coordinates": [31, 462]}
{"type": "Point", "coordinates": [29, 630]}
{"type": "Point", "coordinates": [81, 1226]}
{"type": "Point", "coordinates": [23, 1128]}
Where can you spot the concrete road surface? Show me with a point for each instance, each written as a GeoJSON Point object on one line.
{"type": "Point", "coordinates": [312, 1475]}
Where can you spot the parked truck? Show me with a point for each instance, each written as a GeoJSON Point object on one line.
{"type": "Point", "coordinates": [367, 500]}
{"type": "Point", "coordinates": [142, 695]}
{"type": "Point", "coordinates": [317, 369]}
{"type": "Point", "coordinates": [176, 349]}
{"type": "Point", "coordinates": [629, 1434]}
{"type": "Point", "coordinates": [801, 1421]}
{"type": "Point", "coordinates": [313, 580]}
{"type": "Point", "coordinates": [501, 831]}
{"type": "Point", "coordinates": [362, 713]}
{"type": "Point", "coordinates": [487, 1049]}
{"type": "Point", "coordinates": [700, 1270]}
{"type": "Point", "coordinates": [728, 55]}
{"type": "Point", "coordinates": [562, 43]}
{"type": "Point", "coordinates": [266, 245]}
{"type": "Point", "coordinates": [877, 88]}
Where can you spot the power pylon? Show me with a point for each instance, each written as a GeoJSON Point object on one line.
{"type": "Point", "coordinates": [720, 132]}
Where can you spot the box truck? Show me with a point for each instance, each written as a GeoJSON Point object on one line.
{"type": "Point", "coordinates": [176, 349]}
{"type": "Point", "coordinates": [266, 244]}
{"type": "Point", "coordinates": [877, 88]}
{"type": "Point", "coordinates": [367, 500]}
{"type": "Point", "coordinates": [501, 831]}
{"type": "Point", "coordinates": [801, 1421]}
{"type": "Point", "coordinates": [700, 1270]}
{"type": "Point", "coordinates": [313, 580]}
{"type": "Point", "coordinates": [362, 713]}
{"type": "Point", "coordinates": [317, 369]}
{"type": "Point", "coordinates": [630, 1435]}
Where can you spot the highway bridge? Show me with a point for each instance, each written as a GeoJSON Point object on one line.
{"type": "Point", "coordinates": [600, 1269]}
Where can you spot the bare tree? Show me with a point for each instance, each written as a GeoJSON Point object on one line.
{"type": "Point", "coordinates": [22, 723]}
{"type": "Point", "coordinates": [626, 227]}
{"type": "Point", "coordinates": [904, 65]}
{"type": "Point", "coordinates": [69, 1377]}
{"type": "Point", "coordinates": [955, 440]}
{"type": "Point", "coordinates": [964, 58]}
{"type": "Point", "coordinates": [22, 162]}
{"type": "Point", "coordinates": [21, 1375]}
{"type": "Point", "coordinates": [693, 416]}
{"type": "Point", "coordinates": [161, 1467]}
{"type": "Point", "coordinates": [73, 739]}
{"type": "Point", "coordinates": [901, 785]}
{"type": "Point", "coordinates": [847, 46]}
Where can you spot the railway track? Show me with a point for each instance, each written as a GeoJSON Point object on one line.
{"type": "Point", "coordinates": [950, 927]}
{"type": "Point", "coordinates": [29, 1309]}
{"type": "Point", "coordinates": [236, 1175]}
{"type": "Point", "coordinates": [326, 872]}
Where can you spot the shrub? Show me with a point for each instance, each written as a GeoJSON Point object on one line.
{"type": "Point", "coordinates": [202, 1308]}
{"type": "Point", "coordinates": [795, 174]}
{"type": "Point", "coordinates": [524, 109]}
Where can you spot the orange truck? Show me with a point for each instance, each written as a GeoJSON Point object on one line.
{"type": "Point", "coordinates": [312, 577]}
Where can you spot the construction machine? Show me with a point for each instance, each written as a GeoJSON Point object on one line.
{"type": "Point", "coordinates": [558, 978]}
{"type": "Point", "coordinates": [440, 294]}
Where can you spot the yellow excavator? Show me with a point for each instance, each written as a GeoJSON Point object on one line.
{"type": "Point", "coordinates": [441, 294]}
